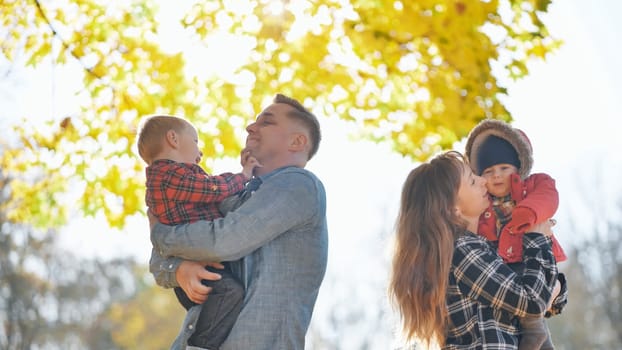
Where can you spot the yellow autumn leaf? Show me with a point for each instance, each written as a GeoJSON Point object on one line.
{"type": "Point", "coordinates": [365, 61]}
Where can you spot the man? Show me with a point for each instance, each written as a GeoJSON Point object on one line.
{"type": "Point", "coordinates": [279, 233]}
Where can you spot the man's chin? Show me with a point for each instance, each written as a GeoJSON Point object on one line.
{"type": "Point", "coordinates": [250, 147]}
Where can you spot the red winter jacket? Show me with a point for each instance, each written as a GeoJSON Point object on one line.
{"type": "Point", "coordinates": [536, 200]}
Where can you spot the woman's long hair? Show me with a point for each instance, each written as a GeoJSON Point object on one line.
{"type": "Point", "coordinates": [426, 229]}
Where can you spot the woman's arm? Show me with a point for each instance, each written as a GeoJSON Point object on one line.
{"type": "Point", "coordinates": [482, 276]}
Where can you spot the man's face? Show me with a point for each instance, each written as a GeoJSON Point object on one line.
{"type": "Point", "coordinates": [271, 134]}
{"type": "Point", "coordinates": [189, 145]}
{"type": "Point", "coordinates": [498, 179]}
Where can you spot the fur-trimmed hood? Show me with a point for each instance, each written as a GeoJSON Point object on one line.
{"type": "Point", "coordinates": [514, 136]}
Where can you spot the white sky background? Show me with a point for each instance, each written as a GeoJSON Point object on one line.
{"type": "Point", "coordinates": [569, 106]}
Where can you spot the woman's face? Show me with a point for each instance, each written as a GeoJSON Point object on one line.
{"type": "Point", "coordinates": [472, 195]}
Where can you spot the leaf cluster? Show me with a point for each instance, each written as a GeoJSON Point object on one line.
{"type": "Point", "coordinates": [418, 74]}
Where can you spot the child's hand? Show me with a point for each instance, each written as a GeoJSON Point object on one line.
{"type": "Point", "coordinates": [522, 219]}
{"type": "Point", "coordinates": [249, 163]}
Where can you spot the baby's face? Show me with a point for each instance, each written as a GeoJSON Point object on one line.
{"type": "Point", "coordinates": [498, 179]}
{"type": "Point", "coordinates": [189, 145]}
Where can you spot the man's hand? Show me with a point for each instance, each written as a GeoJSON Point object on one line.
{"type": "Point", "coordinates": [189, 275]}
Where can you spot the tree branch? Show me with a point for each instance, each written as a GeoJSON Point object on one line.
{"type": "Point", "coordinates": [75, 56]}
{"type": "Point", "coordinates": [64, 43]}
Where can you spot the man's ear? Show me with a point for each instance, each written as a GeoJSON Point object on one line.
{"type": "Point", "coordinates": [299, 142]}
{"type": "Point", "coordinates": [172, 138]}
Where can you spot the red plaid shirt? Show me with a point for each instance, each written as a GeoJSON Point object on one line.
{"type": "Point", "coordinates": [180, 193]}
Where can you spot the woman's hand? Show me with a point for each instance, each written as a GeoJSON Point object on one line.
{"type": "Point", "coordinates": [545, 228]}
{"type": "Point", "coordinates": [556, 289]}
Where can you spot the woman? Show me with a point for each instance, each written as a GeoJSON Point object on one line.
{"type": "Point", "coordinates": [449, 285]}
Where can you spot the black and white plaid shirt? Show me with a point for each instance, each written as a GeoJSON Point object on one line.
{"type": "Point", "coordinates": [484, 295]}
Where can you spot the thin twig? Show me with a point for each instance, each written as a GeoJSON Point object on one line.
{"type": "Point", "coordinates": [63, 42]}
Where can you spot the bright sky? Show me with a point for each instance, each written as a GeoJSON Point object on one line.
{"type": "Point", "coordinates": [569, 106]}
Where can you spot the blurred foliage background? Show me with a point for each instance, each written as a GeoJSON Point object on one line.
{"type": "Point", "coordinates": [418, 74]}
{"type": "Point", "coordinates": [415, 74]}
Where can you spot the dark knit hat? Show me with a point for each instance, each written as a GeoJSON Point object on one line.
{"type": "Point", "coordinates": [495, 150]}
{"type": "Point", "coordinates": [481, 146]}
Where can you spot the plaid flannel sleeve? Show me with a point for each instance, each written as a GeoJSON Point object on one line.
{"type": "Point", "coordinates": [482, 276]}
{"type": "Point", "coordinates": [560, 301]}
{"type": "Point", "coordinates": [199, 187]}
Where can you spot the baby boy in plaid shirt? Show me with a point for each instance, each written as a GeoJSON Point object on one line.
{"type": "Point", "coordinates": [179, 191]}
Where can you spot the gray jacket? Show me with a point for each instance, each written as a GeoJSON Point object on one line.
{"type": "Point", "coordinates": [280, 237]}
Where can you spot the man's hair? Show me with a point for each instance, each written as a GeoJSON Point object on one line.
{"type": "Point", "coordinates": [153, 132]}
{"type": "Point", "coordinates": [306, 117]}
